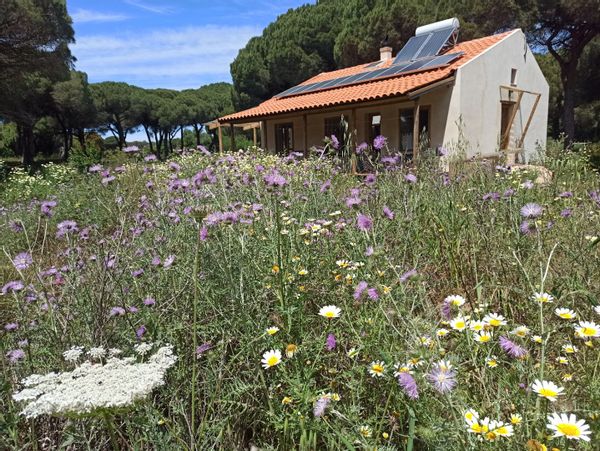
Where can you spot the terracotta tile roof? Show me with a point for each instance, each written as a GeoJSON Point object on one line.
{"type": "Point", "coordinates": [378, 89]}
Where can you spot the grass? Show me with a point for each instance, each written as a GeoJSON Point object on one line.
{"type": "Point", "coordinates": [248, 256]}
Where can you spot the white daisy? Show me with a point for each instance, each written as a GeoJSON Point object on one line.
{"type": "Point", "coordinates": [377, 368]}
{"type": "Point", "coordinates": [547, 389]}
{"type": "Point", "coordinates": [542, 298]}
{"type": "Point", "coordinates": [494, 320]}
{"type": "Point", "coordinates": [330, 311]}
{"type": "Point", "coordinates": [455, 300]}
{"type": "Point", "coordinates": [587, 329]}
{"type": "Point", "coordinates": [271, 358]}
{"type": "Point", "coordinates": [565, 313]}
{"type": "Point", "coordinates": [568, 426]}
{"type": "Point", "coordinates": [459, 323]}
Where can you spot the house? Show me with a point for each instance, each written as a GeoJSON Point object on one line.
{"type": "Point", "coordinates": [481, 96]}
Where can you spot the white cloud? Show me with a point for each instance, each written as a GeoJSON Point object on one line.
{"type": "Point", "coordinates": [86, 15]}
{"type": "Point", "coordinates": [170, 58]}
{"type": "Point", "coordinates": [157, 9]}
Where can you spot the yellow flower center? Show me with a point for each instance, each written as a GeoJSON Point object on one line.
{"type": "Point", "coordinates": [588, 331]}
{"type": "Point", "coordinates": [566, 315]}
{"type": "Point", "coordinates": [570, 430]}
{"type": "Point", "coordinates": [494, 322]}
{"type": "Point", "coordinates": [329, 314]}
{"type": "Point", "coordinates": [377, 368]}
{"type": "Point", "coordinates": [460, 325]}
{"type": "Point", "coordinates": [548, 393]}
{"type": "Point", "coordinates": [485, 338]}
{"type": "Point", "coordinates": [479, 428]}
{"type": "Point", "coordinates": [273, 360]}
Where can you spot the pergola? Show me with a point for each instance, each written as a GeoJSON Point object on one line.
{"type": "Point", "coordinates": [245, 126]}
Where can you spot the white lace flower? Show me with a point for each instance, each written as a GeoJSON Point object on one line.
{"type": "Point", "coordinates": [73, 354]}
{"type": "Point", "coordinates": [90, 386]}
{"type": "Point", "coordinates": [97, 353]}
{"type": "Point", "coordinates": [143, 348]}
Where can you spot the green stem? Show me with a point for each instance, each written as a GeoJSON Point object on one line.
{"type": "Point", "coordinates": [195, 343]}
{"type": "Point", "coordinates": [111, 430]}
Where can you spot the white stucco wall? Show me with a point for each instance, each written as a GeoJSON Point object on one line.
{"type": "Point", "coordinates": [464, 115]}
{"type": "Point", "coordinates": [475, 101]}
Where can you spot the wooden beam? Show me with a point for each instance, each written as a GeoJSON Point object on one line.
{"type": "Point", "coordinates": [517, 105]}
{"type": "Point", "coordinates": [305, 126]}
{"type": "Point", "coordinates": [220, 138]}
{"type": "Point", "coordinates": [533, 108]}
{"type": "Point", "coordinates": [416, 127]}
{"type": "Point", "coordinates": [266, 143]}
{"type": "Point", "coordinates": [232, 142]}
{"type": "Point", "coordinates": [254, 136]}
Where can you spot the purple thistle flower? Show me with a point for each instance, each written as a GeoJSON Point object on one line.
{"type": "Point", "coordinates": [321, 406]}
{"type": "Point", "coordinates": [139, 333]}
{"type": "Point", "coordinates": [335, 143]}
{"type": "Point", "coordinates": [203, 233]}
{"type": "Point", "coordinates": [204, 347]}
{"type": "Point", "coordinates": [131, 149]}
{"type": "Point", "coordinates": [409, 385]}
{"type": "Point", "coordinates": [511, 348]}
{"type": "Point", "coordinates": [446, 310]}
{"type": "Point", "coordinates": [149, 301]}
{"type": "Point", "coordinates": [408, 275]}
{"type": "Point", "coordinates": [527, 184]}
{"type": "Point", "coordinates": [370, 179]}
{"type": "Point", "coordinates": [352, 201]}
{"type": "Point", "coordinates": [372, 293]}
{"type": "Point", "coordinates": [15, 226]}
{"type": "Point", "coordinates": [47, 206]}
{"type": "Point", "coordinates": [15, 355]}
{"type": "Point", "coordinates": [442, 378]}
{"type": "Point", "coordinates": [275, 179]}
{"type": "Point", "coordinates": [11, 326]}
{"type": "Point", "coordinates": [137, 272]}
{"type": "Point", "coordinates": [566, 194]}
{"type": "Point", "coordinates": [66, 227]}
{"type": "Point", "coordinates": [364, 222]}
{"type": "Point", "coordinates": [330, 343]}
{"type": "Point", "coordinates": [117, 311]}
{"type": "Point", "coordinates": [566, 213]}
{"type": "Point", "coordinates": [527, 227]}
{"type": "Point", "coordinates": [22, 261]}
{"type": "Point", "coordinates": [508, 193]}
{"type": "Point", "coordinates": [95, 168]}
{"type": "Point", "coordinates": [531, 210]}
{"type": "Point", "coordinates": [325, 186]}
{"type": "Point", "coordinates": [493, 196]}
{"type": "Point", "coordinates": [149, 158]}
{"type": "Point", "coordinates": [369, 251]}
{"type": "Point", "coordinates": [361, 148]}
{"type": "Point", "coordinates": [595, 196]}
{"type": "Point", "coordinates": [379, 142]}
{"type": "Point", "coordinates": [360, 288]}
{"type": "Point", "coordinates": [168, 261]}
{"type": "Point", "coordinates": [388, 213]}
{"type": "Point", "coordinates": [410, 178]}
{"type": "Point", "coordinates": [12, 286]}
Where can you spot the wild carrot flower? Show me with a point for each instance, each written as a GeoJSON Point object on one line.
{"type": "Point", "coordinates": [511, 348]}
{"type": "Point", "coordinates": [330, 311]}
{"type": "Point", "coordinates": [271, 358]}
{"type": "Point", "coordinates": [568, 426]}
{"type": "Point", "coordinates": [408, 384]}
{"type": "Point", "coordinates": [547, 389]}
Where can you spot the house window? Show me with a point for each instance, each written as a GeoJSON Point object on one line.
{"type": "Point", "coordinates": [333, 126]}
{"type": "Point", "coordinates": [284, 137]}
{"type": "Point", "coordinates": [407, 126]}
{"type": "Point", "coordinates": [373, 127]}
{"type": "Point", "coordinates": [513, 77]}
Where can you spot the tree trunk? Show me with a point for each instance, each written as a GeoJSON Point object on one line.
{"type": "Point", "coordinates": [181, 130]}
{"type": "Point", "coordinates": [197, 132]}
{"type": "Point", "coordinates": [148, 136]}
{"type": "Point", "coordinates": [81, 137]}
{"type": "Point", "coordinates": [66, 144]}
{"type": "Point", "coordinates": [27, 148]}
{"type": "Point", "coordinates": [568, 79]}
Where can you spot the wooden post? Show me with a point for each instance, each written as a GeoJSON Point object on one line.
{"type": "Point", "coordinates": [232, 131]}
{"type": "Point", "coordinates": [266, 142]}
{"type": "Point", "coordinates": [305, 125]}
{"type": "Point", "coordinates": [512, 118]}
{"type": "Point", "coordinates": [535, 104]}
{"type": "Point", "coordinates": [416, 127]}
{"type": "Point", "coordinates": [353, 168]}
{"type": "Point", "coordinates": [263, 135]}
{"type": "Point", "coordinates": [220, 138]}
{"type": "Point", "coordinates": [254, 136]}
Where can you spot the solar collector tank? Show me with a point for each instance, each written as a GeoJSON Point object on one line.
{"type": "Point", "coordinates": [441, 25]}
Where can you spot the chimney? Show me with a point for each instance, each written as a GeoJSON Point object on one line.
{"type": "Point", "coordinates": [385, 53]}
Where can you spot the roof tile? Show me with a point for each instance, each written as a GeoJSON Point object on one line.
{"type": "Point", "coordinates": [377, 89]}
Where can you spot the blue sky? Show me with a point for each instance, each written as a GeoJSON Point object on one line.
{"type": "Point", "coordinates": [175, 44]}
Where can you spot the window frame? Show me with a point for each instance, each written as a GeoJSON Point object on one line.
{"type": "Point", "coordinates": [279, 139]}
{"type": "Point", "coordinates": [422, 109]}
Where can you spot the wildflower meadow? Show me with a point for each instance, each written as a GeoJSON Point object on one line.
{"type": "Point", "coordinates": [245, 300]}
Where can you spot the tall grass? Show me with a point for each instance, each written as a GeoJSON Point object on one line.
{"type": "Point", "coordinates": [250, 253]}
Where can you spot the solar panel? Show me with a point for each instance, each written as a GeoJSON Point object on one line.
{"type": "Point", "coordinates": [411, 47]}
{"type": "Point", "coordinates": [441, 60]}
{"type": "Point", "coordinates": [437, 40]}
